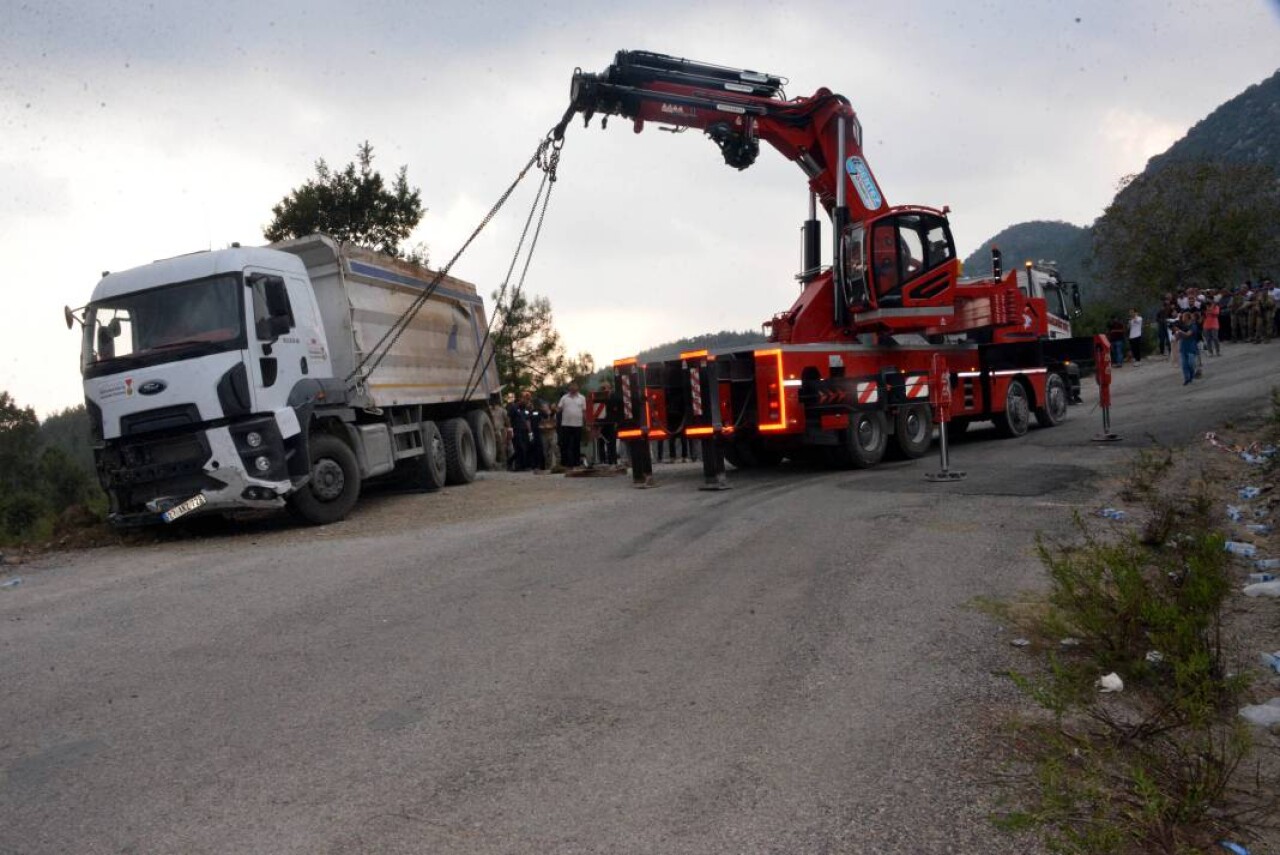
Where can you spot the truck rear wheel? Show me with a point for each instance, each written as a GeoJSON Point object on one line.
{"type": "Point", "coordinates": [1056, 400]}
{"type": "Point", "coordinates": [334, 485]}
{"type": "Point", "coordinates": [913, 430]}
{"type": "Point", "coordinates": [863, 442]}
{"type": "Point", "coordinates": [427, 471]}
{"type": "Point", "coordinates": [486, 438]}
{"type": "Point", "coordinates": [459, 451]}
{"type": "Point", "coordinates": [1016, 418]}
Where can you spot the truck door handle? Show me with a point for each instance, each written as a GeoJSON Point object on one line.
{"type": "Point", "coordinates": [268, 365]}
{"type": "Point", "coordinates": [302, 364]}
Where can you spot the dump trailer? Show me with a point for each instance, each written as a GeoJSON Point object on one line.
{"type": "Point", "coordinates": [290, 374]}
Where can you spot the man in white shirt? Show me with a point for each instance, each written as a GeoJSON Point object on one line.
{"type": "Point", "coordinates": [1135, 336]}
{"type": "Point", "coordinates": [573, 413]}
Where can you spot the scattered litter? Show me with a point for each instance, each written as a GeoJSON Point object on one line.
{"type": "Point", "coordinates": [1267, 564]}
{"type": "Point", "coordinates": [1263, 715]}
{"type": "Point", "coordinates": [1254, 578]}
{"type": "Point", "coordinates": [1272, 661]}
{"type": "Point", "coordinates": [1246, 550]}
{"type": "Point", "coordinates": [1021, 642]}
{"type": "Point", "coordinates": [1252, 459]}
{"type": "Point", "coordinates": [1234, 848]}
{"type": "Point", "coordinates": [1155, 657]}
{"type": "Point", "coordinates": [1070, 642]}
{"type": "Point", "coordinates": [11, 583]}
{"type": "Point", "coordinates": [1248, 493]}
{"type": "Point", "coordinates": [1263, 589]}
{"type": "Point", "coordinates": [1112, 513]}
{"type": "Point", "coordinates": [1112, 683]}
{"type": "Point", "coordinates": [1258, 528]}
{"type": "Point", "coordinates": [1235, 514]}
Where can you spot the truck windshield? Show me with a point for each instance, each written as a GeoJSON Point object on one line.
{"type": "Point", "coordinates": [163, 324]}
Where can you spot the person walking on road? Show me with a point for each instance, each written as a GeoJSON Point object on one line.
{"type": "Point", "coordinates": [573, 412]}
{"type": "Point", "coordinates": [1115, 335]}
{"type": "Point", "coordinates": [1184, 333]}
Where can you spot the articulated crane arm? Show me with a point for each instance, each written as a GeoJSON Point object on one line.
{"type": "Point", "coordinates": [893, 269]}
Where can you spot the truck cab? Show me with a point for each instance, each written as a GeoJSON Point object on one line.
{"type": "Point", "coordinates": [189, 367]}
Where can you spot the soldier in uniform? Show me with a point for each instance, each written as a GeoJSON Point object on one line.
{"type": "Point", "coordinates": [1253, 305]}
{"type": "Point", "coordinates": [1238, 317]}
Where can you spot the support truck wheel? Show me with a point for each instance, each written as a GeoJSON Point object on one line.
{"type": "Point", "coordinates": [459, 451]}
{"type": "Point", "coordinates": [1016, 418]}
{"type": "Point", "coordinates": [486, 438]}
{"type": "Point", "coordinates": [863, 443]}
{"type": "Point", "coordinates": [427, 471]}
{"type": "Point", "coordinates": [913, 430]}
{"type": "Point", "coordinates": [334, 485]}
{"type": "Point", "coordinates": [1056, 400]}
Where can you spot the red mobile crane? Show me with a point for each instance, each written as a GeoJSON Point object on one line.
{"type": "Point", "coordinates": [847, 367]}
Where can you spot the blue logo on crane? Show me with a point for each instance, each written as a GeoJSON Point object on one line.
{"type": "Point", "coordinates": [863, 183]}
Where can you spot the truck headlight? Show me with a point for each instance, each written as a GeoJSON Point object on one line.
{"type": "Point", "coordinates": [253, 439]}
{"type": "Point", "coordinates": [262, 463]}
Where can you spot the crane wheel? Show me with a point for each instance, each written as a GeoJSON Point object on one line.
{"type": "Point", "coordinates": [1056, 400]}
{"type": "Point", "coordinates": [1016, 418]}
{"type": "Point", "coordinates": [913, 430]}
{"type": "Point", "coordinates": [863, 443]}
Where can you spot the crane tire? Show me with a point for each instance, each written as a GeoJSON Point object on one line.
{"type": "Point", "coordinates": [913, 430]}
{"type": "Point", "coordinates": [1057, 398]}
{"type": "Point", "coordinates": [1015, 419]}
{"type": "Point", "coordinates": [863, 442]}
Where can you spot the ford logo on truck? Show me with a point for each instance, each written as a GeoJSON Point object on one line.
{"type": "Point", "coordinates": [152, 387]}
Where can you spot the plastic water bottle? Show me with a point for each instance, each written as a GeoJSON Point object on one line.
{"type": "Point", "coordinates": [1112, 513]}
{"type": "Point", "coordinates": [1248, 493]}
{"type": "Point", "coordinates": [1272, 661]}
{"type": "Point", "coordinates": [1258, 528]}
{"type": "Point", "coordinates": [1234, 514]}
{"type": "Point", "coordinates": [1261, 577]}
{"type": "Point", "coordinates": [1245, 550]}
{"type": "Point", "coordinates": [1267, 564]}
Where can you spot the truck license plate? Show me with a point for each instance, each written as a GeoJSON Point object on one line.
{"type": "Point", "coordinates": [185, 508]}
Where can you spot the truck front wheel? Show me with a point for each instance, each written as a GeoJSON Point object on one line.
{"type": "Point", "coordinates": [334, 485]}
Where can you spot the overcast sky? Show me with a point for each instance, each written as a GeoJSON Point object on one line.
{"type": "Point", "coordinates": [132, 132]}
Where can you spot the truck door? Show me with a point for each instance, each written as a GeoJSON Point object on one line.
{"type": "Point", "coordinates": [278, 351]}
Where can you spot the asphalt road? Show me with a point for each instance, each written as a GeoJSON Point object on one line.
{"type": "Point", "coordinates": [791, 666]}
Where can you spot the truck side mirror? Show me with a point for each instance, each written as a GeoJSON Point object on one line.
{"type": "Point", "coordinates": [1075, 298]}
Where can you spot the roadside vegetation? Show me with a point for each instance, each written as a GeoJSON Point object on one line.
{"type": "Point", "coordinates": [1165, 764]}
{"type": "Point", "coordinates": [47, 485]}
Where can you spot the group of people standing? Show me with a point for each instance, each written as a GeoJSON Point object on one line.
{"type": "Point", "coordinates": [1193, 322]}
{"type": "Point", "coordinates": [544, 436]}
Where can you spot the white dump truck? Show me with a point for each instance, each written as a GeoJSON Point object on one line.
{"type": "Point", "coordinates": [255, 377]}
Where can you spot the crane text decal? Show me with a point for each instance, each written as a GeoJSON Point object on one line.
{"type": "Point", "coordinates": [863, 183]}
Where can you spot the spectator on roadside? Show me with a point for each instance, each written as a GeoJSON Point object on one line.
{"type": "Point", "coordinates": [573, 412]}
{"type": "Point", "coordinates": [1135, 336]}
{"type": "Point", "coordinates": [1184, 333]}
{"type": "Point", "coordinates": [1212, 312]}
{"type": "Point", "coordinates": [1116, 335]}
{"type": "Point", "coordinates": [1163, 315]}
{"type": "Point", "coordinates": [521, 431]}
{"type": "Point", "coordinates": [547, 437]}
{"type": "Point", "coordinates": [502, 427]}
{"type": "Point", "coordinates": [1239, 316]}
{"type": "Point", "coordinates": [609, 427]}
